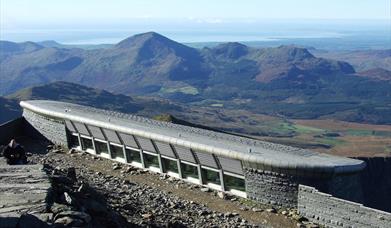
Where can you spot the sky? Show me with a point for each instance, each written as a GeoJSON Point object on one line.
{"type": "Point", "coordinates": [41, 13]}
{"type": "Point", "coordinates": [109, 21]}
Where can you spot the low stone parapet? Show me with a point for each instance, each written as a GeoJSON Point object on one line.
{"type": "Point", "coordinates": [330, 211]}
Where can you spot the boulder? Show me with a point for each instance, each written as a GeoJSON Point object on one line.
{"type": "Point", "coordinates": [31, 221]}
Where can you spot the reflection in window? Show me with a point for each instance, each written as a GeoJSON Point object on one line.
{"type": "Point", "coordinates": [116, 152]}
{"type": "Point", "coordinates": [234, 183]}
{"type": "Point", "coordinates": [211, 176]}
{"type": "Point", "coordinates": [73, 141]}
{"type": "Point", "coordinates": [101, 147]}
{"type": "Point", "coordinates": [189, 171]}
{"type": "Point", "coordinates": [133, 155]}
{"type": "Point", "coordinates": [151, 161]}
{"type": "Point", "coordinates": [170, 165]}
{"type": "Point", "coordinates": [86, 144]}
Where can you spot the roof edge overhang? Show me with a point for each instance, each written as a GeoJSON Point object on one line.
{"type": "Point", "coordinates": [300, 167]}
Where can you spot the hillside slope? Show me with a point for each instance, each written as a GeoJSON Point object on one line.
{"type": "Point", "coordinates": [149, 62]}
{"type": "Point", "coordinates": [284, 81]}
{"type": "Point", "coordinates": [74, 93]}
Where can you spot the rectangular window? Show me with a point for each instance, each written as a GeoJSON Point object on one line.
{"type": "Point", "coordinates": [73, 141]}
{"type": "Point", "coordinates": [116, 151]}
{"type": "Point", "coordinates": [211, 176]}
{"type": "Point", "coordinates": [234, 183]}
{"type": "Point", "coordinates": [86, 144]}
{"type": "Point", "coordinates": [101, 147]}
{"type": "Point", "coordinates": [151, 161]}
{"type": "Point", "coordinates": [133, 155]}
{"type": "Point", "coordinates": [189, 171]}
{"type": "Point", "coordinates": [170, 165]}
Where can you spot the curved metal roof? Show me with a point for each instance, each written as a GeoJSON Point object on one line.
{"type": "Point", "coordinates": [236, 147]}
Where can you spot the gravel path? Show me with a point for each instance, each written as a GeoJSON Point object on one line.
{"type": "Point", "coordinates": [142, 198]}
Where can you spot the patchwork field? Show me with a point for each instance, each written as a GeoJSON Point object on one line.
{"type": "Point", "coordinates": [345, 138]}
{"type": "Point", "coordinates": [326, 136]}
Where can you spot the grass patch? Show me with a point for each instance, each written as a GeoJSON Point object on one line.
{"type": "Point", "coordinates": [301, 129]}
{"type": "Point", "coordinates": [163, 117]}
{"type": "Point", "coordinates": [363, 132]}
{"type": "Point", "coordinates": [185, 90]}
{"type": "Point", "coordinates": [354, 132]}
{"type": "Point", "coordinates": [332, 141]}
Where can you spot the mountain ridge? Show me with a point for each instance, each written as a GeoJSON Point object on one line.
{"type": "Point", "coordinates": [145, 62]}
{"type": "Point", "coordinates": [79, 94]}
{"type": "Point", "coordinates": [285, 81]}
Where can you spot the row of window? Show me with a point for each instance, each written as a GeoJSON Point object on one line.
{"type": "Point", "coordinates": [189, 171]}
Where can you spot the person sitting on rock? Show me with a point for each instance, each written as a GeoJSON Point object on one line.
{"type": "Point", "coordinates": [14, 153]}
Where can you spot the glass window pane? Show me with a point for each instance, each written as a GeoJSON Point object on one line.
{"type": "Point", "coordinates": [73, 141]}
{"type": "Point", "coordinates": [170, 165]}
{"type": "Point", "coordinates": [86, 144]}
{"type": "Point", "coordinates": [133, 155]}
{"type": "Point", "coordinates": [211, 176]}
{"type": "Point", "coordinates": [116, 151]}
{"type": "Point", "coordinates": [101, 147]}
{"type": "Point", "coordinates": [189, 171]}
{"type": "Point", "coordinates": [234, 183]}
{"type": "Point", "coordinates": [151, 161]}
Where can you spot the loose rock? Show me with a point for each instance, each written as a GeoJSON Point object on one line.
{"type": "Point", "coordinates": [271, 210]}
{"type": "Point", "coordinates": [205, 190]}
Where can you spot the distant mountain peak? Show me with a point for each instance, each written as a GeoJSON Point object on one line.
{"type": "Point", "coordinates": [232, 45]}
{"type": "Point", "coordinates": [8, 46]}
{"type": "Point", "coordinates": [152, 49]}
{"type": "Point", "coordinates": [232, 50]}
{"type": "Point", "coordinates": [296, 52]}
{"type": "Point", "coordinates": [50, 43]}
{"type": "Point", "coordinates": [285, 54]}
{"type": "Point", "coordinates": [141, 39]}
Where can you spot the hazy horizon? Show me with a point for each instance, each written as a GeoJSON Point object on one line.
{"type": "Point", "coordinates": [102, 22]}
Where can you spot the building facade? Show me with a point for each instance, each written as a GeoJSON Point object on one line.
{"type": "Point", "coordinates": [266, 172]}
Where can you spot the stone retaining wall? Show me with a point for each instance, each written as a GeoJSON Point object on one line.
{"type": "Point", "coordinates": [330, 211]}
{"type": "Point", "coordinates": [52, 129]}
{"type": "Point", "coordinates": [271, 188]}
{"type": "Point", "coordinates": [281, 189]}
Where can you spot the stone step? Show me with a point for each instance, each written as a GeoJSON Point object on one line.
{"type": "Point", "coordinates": [23, 189]}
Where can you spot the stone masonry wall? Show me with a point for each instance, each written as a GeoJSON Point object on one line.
{"type": "Point", "coordinates": [281, 190]}
{"type": "Point", "coordinates": [272, 188]}
{"type": "Point", "coordinates": [52, 129]}
{"type": "Point", "coordinates": [330, 211]}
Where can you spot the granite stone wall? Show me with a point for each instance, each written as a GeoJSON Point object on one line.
{"type": "Point", "coordinates": [273, 188]}
{"type": "Point", "coordinates": [329, 211]}
{"type": "Point", "coordinates": [52, 129]}
{"type": "Point", "coordinates": [281, 189]}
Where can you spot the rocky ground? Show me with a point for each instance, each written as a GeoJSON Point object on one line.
{"type": "Point", "coordinates": [89, 191]}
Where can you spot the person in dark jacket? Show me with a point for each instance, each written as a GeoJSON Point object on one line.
{"type": "Point", "coordinates": [14, 153]}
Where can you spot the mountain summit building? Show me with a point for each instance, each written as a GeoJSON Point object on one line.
{"type": "Point", "coordinates": [266, 172]}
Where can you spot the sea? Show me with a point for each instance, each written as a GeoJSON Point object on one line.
{"type": "Point", "coordinates": [322, 35]}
